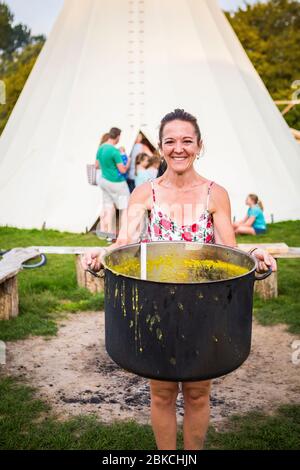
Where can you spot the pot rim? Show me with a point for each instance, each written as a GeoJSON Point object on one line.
{"type": "Point", "coordinates": [236, 250]}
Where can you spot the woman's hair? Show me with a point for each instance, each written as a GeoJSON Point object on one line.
{"type": "Point", "coordinates": [139, 159]}
{"type": "Point", "coordinates": [104, 138]}
{"type": "Point", "coordinates": [256, 200]}
{"type": "Point", "coordinates": [180, 115]}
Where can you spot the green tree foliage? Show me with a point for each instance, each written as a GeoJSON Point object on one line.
{"type": "Point", "coordinates": [18, 53]}
{"type": "Point", "coordinates": [15, 75]}
{"type": "Point", "coordinates": [12, 37]}
{"type": "Point", "coordinates": [270, 34]}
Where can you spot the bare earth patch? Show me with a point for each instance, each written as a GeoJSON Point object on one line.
{"type": "Point", "coordinates": [73, 373]}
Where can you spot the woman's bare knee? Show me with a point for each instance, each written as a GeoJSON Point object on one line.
{"type": "Point", "coordinates": [196, 394]}
{"type": "Point", "coordinates": [163, 394]}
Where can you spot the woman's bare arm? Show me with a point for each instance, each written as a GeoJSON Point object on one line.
{"type": "Point", "coordinates": [131, 228]}
{"type": "Point", "coordinates": [221, 210]}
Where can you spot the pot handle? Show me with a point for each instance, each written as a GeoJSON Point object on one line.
{"type": "Point", "coordinates": [93, 273]}
{"type": "Point", "coordinates": [261, 277]}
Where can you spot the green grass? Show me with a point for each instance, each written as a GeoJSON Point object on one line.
{"type": "Point", "coordinates": [257, 431]}
{"type": "Point", "coordinates": [281, 232]}
{"type": "Point", "coordinates": [286, 308]}
{"type": "Point", "coordinates": [47, 293]}
{"type": "Point", "coordinates": [27, 423]}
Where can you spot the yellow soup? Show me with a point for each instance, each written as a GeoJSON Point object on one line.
{"type": "Point", "coordinates": [170, 269]}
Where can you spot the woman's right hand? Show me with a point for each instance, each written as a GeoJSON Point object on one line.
{"type": "Point", "coordinates": [92, 259]}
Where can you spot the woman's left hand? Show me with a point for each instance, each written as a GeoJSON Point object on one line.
{"type": "Point", "coordinates": [264, 260]}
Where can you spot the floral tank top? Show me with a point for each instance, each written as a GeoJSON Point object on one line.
{"type": "Point", "coordinates": [162, 228]}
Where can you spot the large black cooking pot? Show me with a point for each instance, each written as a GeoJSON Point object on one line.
{"type": "Point", "coordinates": [183, 331]}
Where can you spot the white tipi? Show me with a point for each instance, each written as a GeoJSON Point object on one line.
{"type": "Point", "coordinates": [126, 63]}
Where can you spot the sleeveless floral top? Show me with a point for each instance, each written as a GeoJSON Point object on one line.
{"type": "Point", "coordinates": [162, 228]}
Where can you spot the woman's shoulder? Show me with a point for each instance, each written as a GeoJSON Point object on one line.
{"type": "Point", "coordinates": [142, 193]}
{"type": "Point", "coordinates": [217, 189]}
{"type": "Point", "coordinates": [218, 197]}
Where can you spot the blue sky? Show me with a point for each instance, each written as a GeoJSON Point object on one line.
{"type": "Point", "coordinates": [40, 15]}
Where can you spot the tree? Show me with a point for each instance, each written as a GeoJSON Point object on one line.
{"type": "Point", "coordinates": [18, 53]}
{"type": "Point", "coordinates": [12, 37]}
{"type": "Point", "coordinates": [270, 34]}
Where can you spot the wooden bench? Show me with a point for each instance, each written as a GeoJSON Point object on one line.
{"type": "Point", "coordinates": [10, 266]}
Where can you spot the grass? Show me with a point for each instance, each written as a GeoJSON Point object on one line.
{"type": "Point", "coordinates": [286, 308]}
{"type": "Point", "coordinates": [281, 232]}
{"type": "Point", "coordinates": [47, 293]}
{"type": "Point", "coordinates": [257, 431]}
{"type": "Point", "coordinates": [26, 423]}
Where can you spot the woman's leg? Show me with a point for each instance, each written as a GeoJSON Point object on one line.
{"type": "Point", "coordinates": [108, 208]}
{"type": "Point", "coordinates": [107, 223]}
{"type": "Point", "coordinates": [244, 230]}
{"type": "Point", "coordinates": [163, 413]}
{"type": "Point", "coordinates": [196, 413]}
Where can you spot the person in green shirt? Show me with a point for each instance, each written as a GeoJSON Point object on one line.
{"type": "Point", "coordinates": [254, 222]}
{"type": "Point", "coordinates": [113, 182]}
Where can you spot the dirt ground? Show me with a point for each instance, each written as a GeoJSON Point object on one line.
{"type": "Point", "coordinates": [74, 374]}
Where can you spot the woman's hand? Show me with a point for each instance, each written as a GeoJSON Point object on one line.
{"type": "Point", "coordinates": [92, 259]}
{"type": "Point", "coordinates": [264, 260]}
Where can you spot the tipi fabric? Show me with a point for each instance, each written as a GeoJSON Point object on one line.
{"type": "Point", "coordinates": [126, 64]}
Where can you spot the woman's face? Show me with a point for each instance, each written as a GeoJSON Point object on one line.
{"type": "Point", "coordinates": [179, 145]}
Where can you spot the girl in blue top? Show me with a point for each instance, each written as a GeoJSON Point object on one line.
{"type": "Point", "coordinates": [254, 223]}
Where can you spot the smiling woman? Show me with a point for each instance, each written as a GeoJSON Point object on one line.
{"type": "Point", "coordinates": [183, 214]}
{"type": "Point", "coordinates": [184, 206]}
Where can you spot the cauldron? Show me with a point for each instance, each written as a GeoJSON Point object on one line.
{"type": "Point", "coordinates": [179, 331]}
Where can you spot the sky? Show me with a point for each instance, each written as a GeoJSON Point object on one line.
{"type": "Point", "coordinates": [40, 15]}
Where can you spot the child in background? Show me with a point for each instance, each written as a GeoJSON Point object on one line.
{"type": "Point", "coordinates": [125, 160]}
{"type": "Point", "coordinates": [254, 222]}
{"type": "Point", "coordinates": [141, 165]}
{"type": "Point", "coordinates": [153, 167]}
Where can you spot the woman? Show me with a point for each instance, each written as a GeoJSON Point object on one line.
{"type": "Point", "coordinates": [113, 182]}
{"type": "Point", "coordinates": [254, 223]}
{"type": "Point", "coordinates": [184, 206]}
{"type": "Point", "coordinates": [103, 140]}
